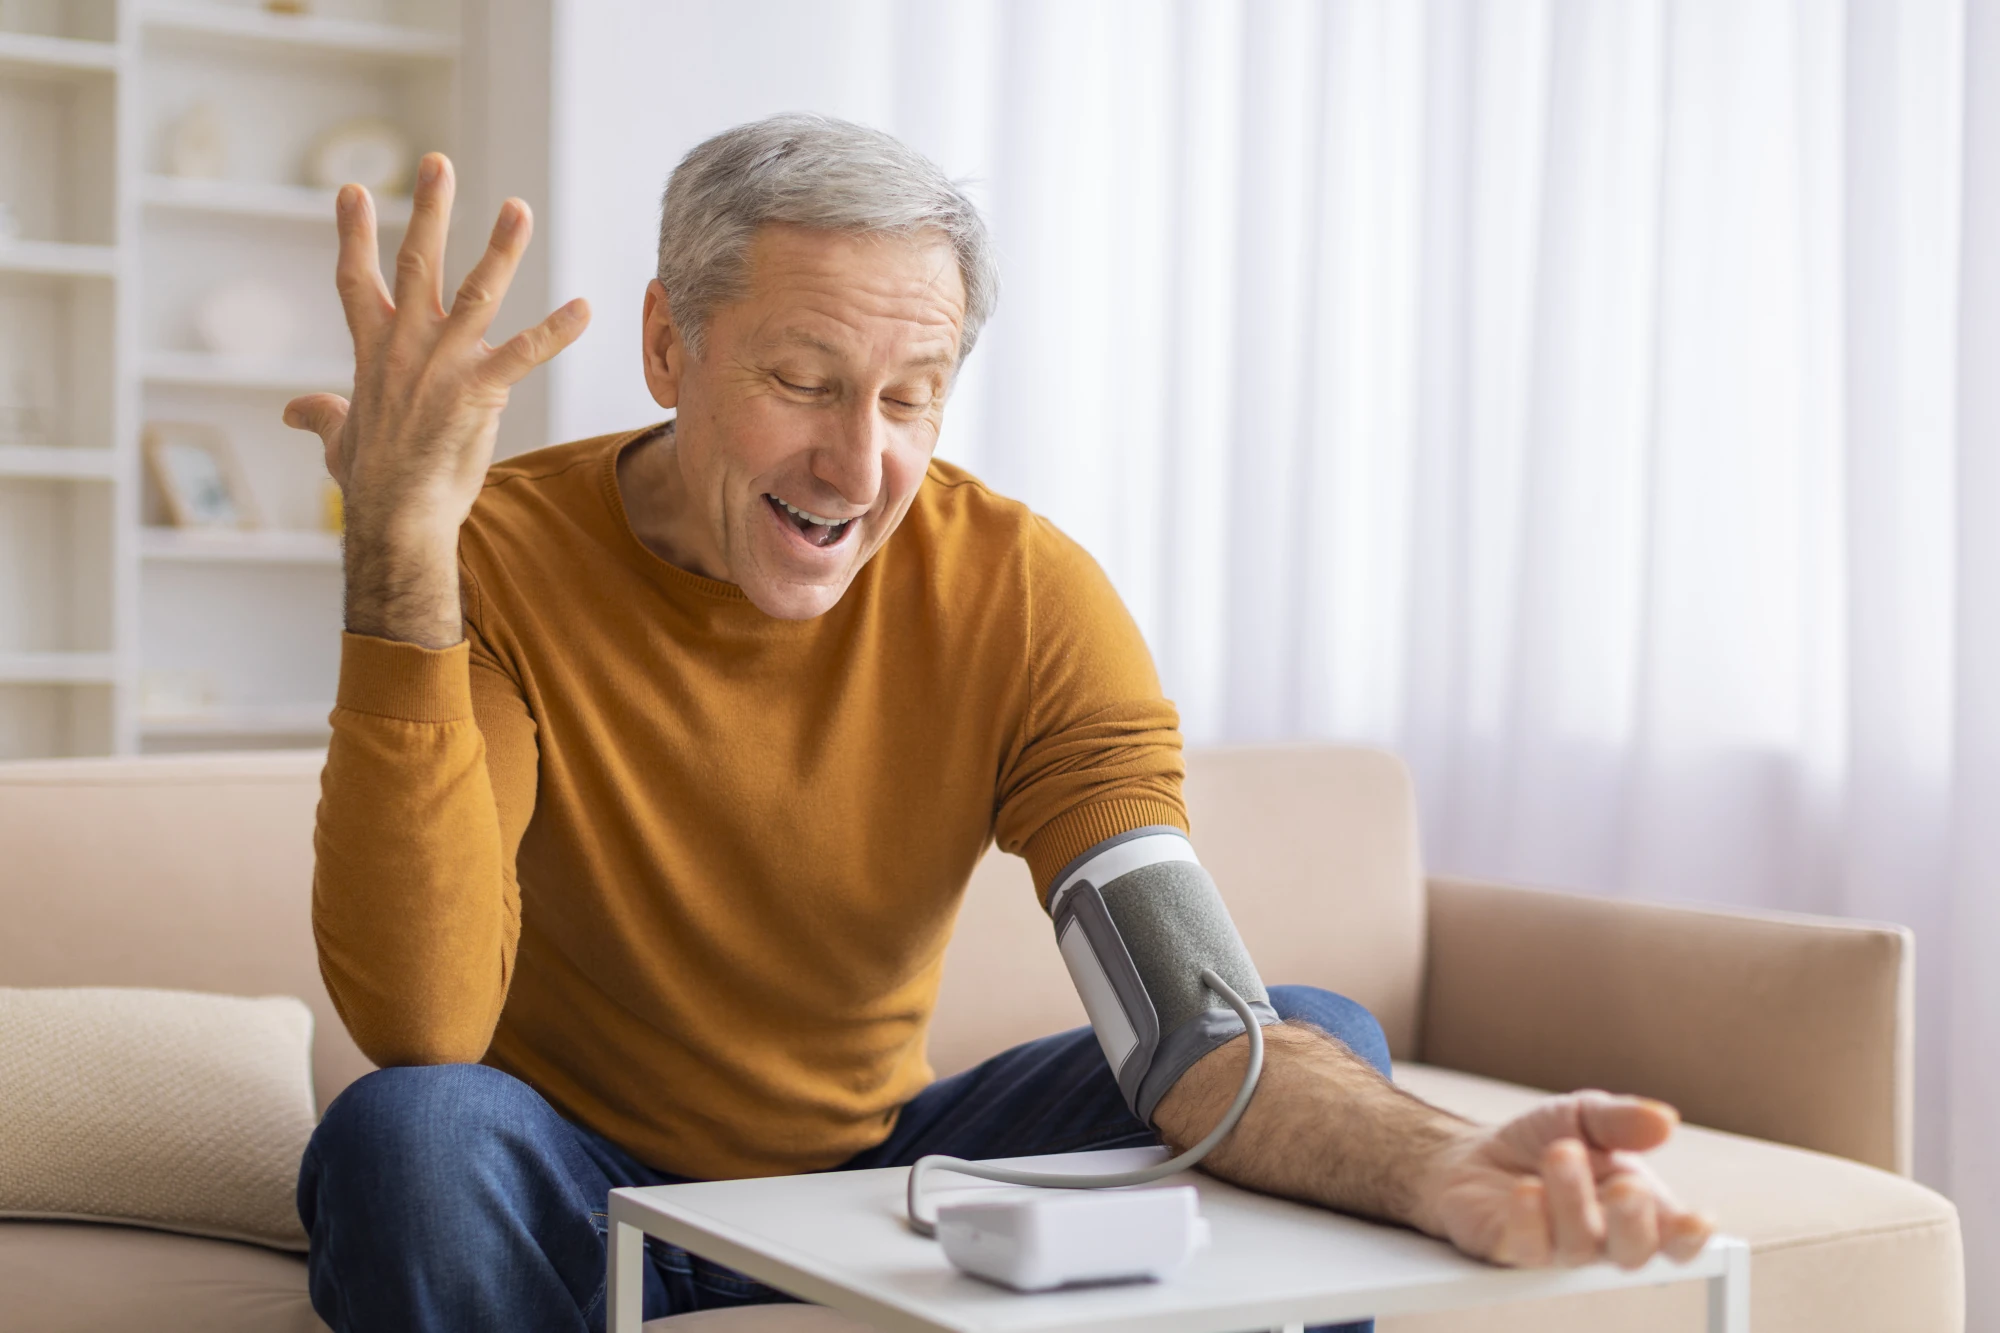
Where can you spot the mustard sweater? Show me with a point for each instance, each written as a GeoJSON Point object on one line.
{"type": "Point", "coordinates": [688, 870]}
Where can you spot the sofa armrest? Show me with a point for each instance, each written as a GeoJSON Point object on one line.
{"type": "Point", "coordinates": [1790, 1028]}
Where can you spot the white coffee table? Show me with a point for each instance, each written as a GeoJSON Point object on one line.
{"type": "Point", "coordinates": [838, 1239]}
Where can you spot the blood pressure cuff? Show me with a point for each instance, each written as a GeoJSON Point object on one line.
{"type": "Point", "coordinates": [1137, 919]}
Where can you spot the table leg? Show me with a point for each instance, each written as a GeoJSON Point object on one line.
{"type": "Point", "coordinates": [1729, 1291]}
{"type": "Point", "coordinates": [625, 1284]}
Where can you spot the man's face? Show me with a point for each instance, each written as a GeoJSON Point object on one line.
{"type": "Point", "coordinates": [806, 424]}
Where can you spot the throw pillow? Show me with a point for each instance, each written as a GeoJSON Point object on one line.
{"type": "Point", "coordinates": [165, 1109]}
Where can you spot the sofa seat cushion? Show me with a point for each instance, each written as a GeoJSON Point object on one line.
{"type": "Point", "coordinates": [1835, 1245]}
{"type": "Point", "coordinates": [84, 1277]}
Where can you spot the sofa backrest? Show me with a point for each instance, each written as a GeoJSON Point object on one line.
{"type": "Point", "coordinates": [1315, 850]}
{"type": "Point", "coordinates": [195, 872]}
{"type": "Point", "coordinates": [179, 872]}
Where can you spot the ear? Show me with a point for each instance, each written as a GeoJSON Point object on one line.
{"type": "Point", "coordinates": [664, 349]}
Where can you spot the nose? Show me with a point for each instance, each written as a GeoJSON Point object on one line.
{"type": "Point", "coordinates": [849, 456]}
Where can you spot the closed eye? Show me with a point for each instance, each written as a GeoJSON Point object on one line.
{"type": "Point", "coordinates": [800, 388]}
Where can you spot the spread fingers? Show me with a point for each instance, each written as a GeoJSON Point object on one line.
{"type": "Point", "coordinates": [357, 273]}
{"type": "Point", "coordinates": [527, 349]}
{"type": "Point", "coordinates": [420, 262]}
{"type": "Point", "coordinates": [479, 296]}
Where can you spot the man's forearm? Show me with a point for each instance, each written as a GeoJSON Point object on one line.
{"type": "Point", "coordinates": [1323, 1127]}
{"type": "Point", "coordinates": [402, 581]}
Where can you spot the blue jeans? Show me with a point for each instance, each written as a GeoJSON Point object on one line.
{"type": "Point", "coordinates": [451, 1197]}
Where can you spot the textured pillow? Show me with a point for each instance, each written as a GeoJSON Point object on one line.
{"type": "Point", "coordinates": [161, 1109]}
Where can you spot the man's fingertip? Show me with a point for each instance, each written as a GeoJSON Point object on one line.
{"type": "Point", "coordinates": [1671, 1112]}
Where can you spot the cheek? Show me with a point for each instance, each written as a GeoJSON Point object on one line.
{"type": "Point", "coordinates": [756, 437]}
{"type": "Point", "coordinates": [906, 461]}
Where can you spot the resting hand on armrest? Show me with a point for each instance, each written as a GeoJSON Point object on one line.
{"type": "Point", "coordinates": [1561, 1183]}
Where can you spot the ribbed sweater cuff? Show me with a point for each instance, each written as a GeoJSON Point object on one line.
{"type": "Point", "coordinates": [404, 681]}
{"type": "Point", "coordinates": [1075, 832]}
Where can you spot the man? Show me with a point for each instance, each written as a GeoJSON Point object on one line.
{"type": "Point", "coordinates": [660, 763]}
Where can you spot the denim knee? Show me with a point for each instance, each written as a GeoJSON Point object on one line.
{"type": "Point", "coordinates": [1337, 1016]}
{"type": "Point", "coordinates": [417, 1126]}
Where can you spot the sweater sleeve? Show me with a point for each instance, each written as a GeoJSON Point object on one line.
{"type": "Point", "coordinates": [1099, 752]}
{"type": "Point", "coordinates": [428, 788]}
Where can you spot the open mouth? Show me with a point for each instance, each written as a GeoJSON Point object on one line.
{"type": "Point", "coordinates": [816, 530]}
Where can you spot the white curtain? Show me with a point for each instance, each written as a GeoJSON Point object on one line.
{"type": "Point", "coordinates": [1579, 398]}
{"type": "Point", "coordinates": [1597, 402]}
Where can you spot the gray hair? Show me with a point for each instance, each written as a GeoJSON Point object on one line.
{"type": "Point", "coordinates": [810, 171]}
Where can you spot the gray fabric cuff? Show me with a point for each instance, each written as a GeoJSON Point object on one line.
{"type": "Point", "coordinates": [1138, 920]}
{"type": "Point", "coordinates": [1179, 1049]}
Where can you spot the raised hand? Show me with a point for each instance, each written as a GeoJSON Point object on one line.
{"type": "Point", "coordinates": [1561, 1184]}
{"type": "Point", "coordinates": [412, 447]}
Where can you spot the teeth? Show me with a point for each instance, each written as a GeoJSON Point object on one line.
{"type": "Point", "coordinates": [812, 518]}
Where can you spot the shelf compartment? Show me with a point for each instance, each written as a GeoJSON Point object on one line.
{"type": "Point", "coordinates": [54, 720]}
{"type": "Point", "coordinates": [236, 648]}
{"type": "Point", "coordinates": [56, 389]}
{"type": "Point", "coordinates": [254, 28]}
{"type": "Point", "coordinates": [268, 546]}
{"type": "Point", "coordinates": [206, 371]}
{"type": "Point", "coordinates": [289, 203]}
{"type": "Point", "coordinates": [89, 22]}
{"type": "Point", "coordinates": [56, 576]}
{"type": "Point", "coordinates": [58, 174]}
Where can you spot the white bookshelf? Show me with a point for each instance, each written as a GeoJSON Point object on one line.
{"type": "Point", "coordinates": [119, 633]}
{"type": "Point", "coordinates": [37, 55]}
{"type": "Point", "coordinates": [61, 470]}
{"type": "Point", "coordinates": [282, 374]}
{"type": "Point", "coordinates": [69, 668]}
{"type": "Point", "coordinates": [249, 28]}
{"type": "Point", "coordinates": [58, 259]}
{"type": "Point", "coordinates": [222, 546]}
{"type": "Point", "coordinates": [246, 199]}
{"type": "Point", "coordinates": [237, 632]}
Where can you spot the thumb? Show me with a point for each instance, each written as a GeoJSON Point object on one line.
{"type": "Point", "coordinates": [1633, 1124]}
{"type": "Point", "coordinates": [325, 415]}
{"type": "Point", "coordinates": [321, 413]}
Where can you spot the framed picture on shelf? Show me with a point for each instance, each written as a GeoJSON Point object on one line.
{"type": "Point", "coordinates": [198, 475]}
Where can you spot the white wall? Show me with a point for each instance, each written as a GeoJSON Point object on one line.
{"type": "Point", "coordinates": [639, 82]}
{"type": "Point", "coordinates": [507, 152]}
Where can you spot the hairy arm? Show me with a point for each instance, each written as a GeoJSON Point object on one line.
{"type": "Point", "coordinates": [430, 773]}
{"type": "Point", "coordinates": [1561, 1183]}
{"type": "Point", "coordinates": [1324, 1127]}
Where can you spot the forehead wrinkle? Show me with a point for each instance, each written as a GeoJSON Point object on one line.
{"type": "Point", "coordinates": [811, 304]}
{"type": "Point", "coordinates": [793, 336]}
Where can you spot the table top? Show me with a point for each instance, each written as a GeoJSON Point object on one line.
{"type": "Point", "coordinates": [839, 1239]}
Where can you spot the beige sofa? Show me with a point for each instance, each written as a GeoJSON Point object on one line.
{"type": "Point", "coordinates": [1788, 1039]}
